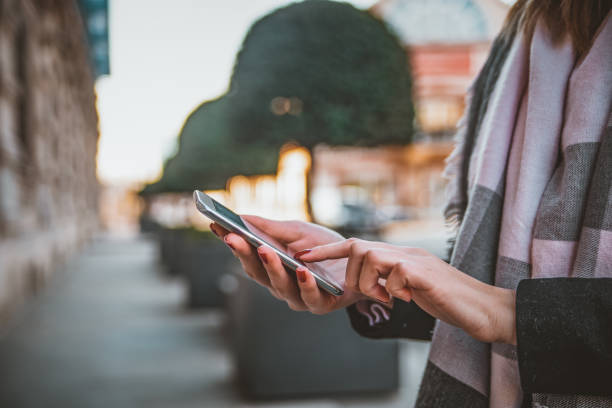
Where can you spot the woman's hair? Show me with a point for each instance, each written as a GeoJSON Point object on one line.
{"type": "Point", "coordinates": [578, 19]}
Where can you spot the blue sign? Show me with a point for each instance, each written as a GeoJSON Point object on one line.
{"type": "Point", "coordinates": [95, 18]}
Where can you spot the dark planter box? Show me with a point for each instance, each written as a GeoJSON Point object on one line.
{"type": "Point", "coordinates": [280, 353]}
{"type": "Point", "coordinates": [203, 263]}
{"type": "Point", "coordinates": [149, 225]}
{"type": "Point", "coordinates": [169, 244]}
{"type": "Point", "coordinates": [201, 259]}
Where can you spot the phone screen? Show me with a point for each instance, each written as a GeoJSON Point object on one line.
{"type": "Point", "coordinates": [236, 219]}
{"type": "Point", "coordinates": [229, 214]}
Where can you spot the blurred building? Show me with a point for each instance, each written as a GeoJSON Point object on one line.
{"type": "Point", "coordinates": [447, 42]}
{"type": "Point", "coordinates": [48, 142]}
{"type": "Point", "coordinates": [387, 183]}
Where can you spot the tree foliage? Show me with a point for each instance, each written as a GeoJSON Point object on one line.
{"type": "Point", "coordinates": [349, 72]}
{"type": "Point", "coordinates": [208, 154]}
{"type": "Point", "coordinates": [312, 72]}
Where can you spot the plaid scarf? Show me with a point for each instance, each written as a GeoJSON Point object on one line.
{"type": "Point", "coordinates": [535, 149]}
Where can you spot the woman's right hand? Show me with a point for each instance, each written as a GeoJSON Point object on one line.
{"type": "Point", "coordinates": [265, 267]}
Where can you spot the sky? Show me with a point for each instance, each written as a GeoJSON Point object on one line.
{"type": "Point", "coordinates": [166, 58]}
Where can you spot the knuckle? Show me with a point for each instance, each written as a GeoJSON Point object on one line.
{"type": "Point", "coordinates": [278, 289]}
{"type": "Point", "coordinates": [248, 272]}
{"type": "Point", "coordinates": [282, 293]}
{"type": "Point", "coordinates": [402, 268]}
{"type": "Point", "coordinates": [349, 283]}
{"type": "Point", "coordinates": [273, 293]}
{"type": "Point", "coordinates": [371, 255]}
{"type": "Point", "coordinates": [392, 287]}
{"type": "Point", "coordinates": [295, 307]}
{"type": "Point", "coordinates": [354, 245]}
{"type": "Point", "coordinates": [363, 288]}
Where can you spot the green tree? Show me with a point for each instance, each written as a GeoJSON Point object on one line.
{"type": "Point", "coordinates": [208, 154]}
{"type": "Point", "coordinates": [341, 78]}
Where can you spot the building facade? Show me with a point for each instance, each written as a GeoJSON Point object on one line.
{"type": "Point", "coordinates": [447, 42]}
{"type": "Point", "coordinates": [48, 143]}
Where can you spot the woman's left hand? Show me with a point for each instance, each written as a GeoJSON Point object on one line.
{"type": "Point", "coordinates": [380, 270]}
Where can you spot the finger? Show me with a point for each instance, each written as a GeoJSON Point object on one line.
{"type": "Point", "coordinates": [280, 280]}
{"type": "Point", "coordinates": [398, 284]}
{"type": "Point", "coordinates": [357, 252]}
{"type": "Point", "coordinates": [372, 270]}
{"type": "Point", "coordinates": [314, 298]}
{"type": "Point", "coordinates": [286, 231]}
{"type": "Point", "coordinates": [354, 265]}
{"type": "Point", "coordinates": [218, 230]}
{"type": "Point", "coordinates": [335, 250]}
{"type": "Point", "coordinates": [248, 258]}
{"type": "Point", "coordinates": [274, 294]}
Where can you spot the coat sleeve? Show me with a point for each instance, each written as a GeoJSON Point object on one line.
{"type": "Point", "coordinates": [404, 320]}
{"type": "Point", "coordinates": [564, 335]}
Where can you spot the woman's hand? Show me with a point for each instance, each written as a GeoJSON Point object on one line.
{"type": "Point", "coordinates": [265, 267]}
{"type": "Point", "coordinates": [380, 270]}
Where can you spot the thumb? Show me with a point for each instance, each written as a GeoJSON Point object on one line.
{"type": "Point", "coordinates": [286, 231]}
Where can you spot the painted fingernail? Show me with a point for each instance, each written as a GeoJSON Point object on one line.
{"type": "Point", "coordinates": [228, 243]}
{"type": "Point", "coordinates": [263, 256]}
{"type": "Point", "coordinates": [301, 274]}
{"type": "Point", "coordinates": [299, 254]}
{"type": "Point", "coordinates": [213, 230]}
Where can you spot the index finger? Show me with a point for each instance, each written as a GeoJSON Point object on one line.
{"type": "Point", "coordinates": [335, 250]}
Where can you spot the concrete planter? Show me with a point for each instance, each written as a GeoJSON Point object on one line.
{"type": "Point", "coordinates": [201, 259]}
{"type": "Point", "coordinates": [203, 264]}
{"type": "Point", "coordinates": [169, 242]}
{"type": "Point", "coordinates": [284, 354]}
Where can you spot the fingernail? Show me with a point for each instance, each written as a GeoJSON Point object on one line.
{"type": "Point", "coordinates": [213, 230]}
{"type": "Point", "coordinates": [263, 256]}
{"type": "Point", "coordinates": [299, 254]}
{"type": "Point", "coordinates": [301, 274]}
{"type": "Point", "coordinates": [228, 243]}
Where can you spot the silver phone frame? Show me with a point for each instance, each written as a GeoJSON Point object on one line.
{"type": "Point", "coordinates": [204, 204]}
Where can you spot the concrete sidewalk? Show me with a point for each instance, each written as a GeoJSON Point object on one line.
{"type": "Point", "coordinates": [110, 331]}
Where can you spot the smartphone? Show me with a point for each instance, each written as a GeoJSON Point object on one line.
{"type": "Point", "coordinates": [234, 223]}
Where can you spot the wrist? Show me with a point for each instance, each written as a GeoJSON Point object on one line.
{"type": "Point", "coordinates": [504, 318]}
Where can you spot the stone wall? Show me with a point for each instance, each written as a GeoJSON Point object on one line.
{"type": "Point", "coordinates": [48, 142]}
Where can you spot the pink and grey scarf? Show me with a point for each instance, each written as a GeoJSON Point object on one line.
{"type": "Point", "coordinates": [539, 199]}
